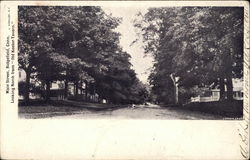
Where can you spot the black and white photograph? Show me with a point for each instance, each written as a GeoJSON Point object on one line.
{"type": "Point", "coordinates": [94, 62]}
{"type": "Point", "coordinates": [124, 80]}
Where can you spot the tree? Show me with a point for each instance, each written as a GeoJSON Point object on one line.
{"type": "Point", "coordinates": [185, 38]}
{"type": "Point", "coordinates": [76, 44]}
{"type": "Point", "coordinates": [36, 34]}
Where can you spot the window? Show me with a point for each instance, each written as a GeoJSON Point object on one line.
{"type": "Point", "coordinates": [215, 94]}
{"type": "Point", "coordinates": [235, 94]}
{"type": "Point", "coordinates": [241, 94]}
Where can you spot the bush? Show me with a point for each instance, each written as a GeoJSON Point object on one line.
{"type": "Point", "coordinates": [79, 97]}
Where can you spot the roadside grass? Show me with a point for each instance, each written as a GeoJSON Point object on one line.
{"type": "Point", "coordinates": [69, 103]}
{"type": "Point", "coordinates": [42, 109]}
{"type": "Point", "coordinates": [48, 109]}
{"type": "Point", "coordinates": [226, 109]}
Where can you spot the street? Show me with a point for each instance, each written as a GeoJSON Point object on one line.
{"type": "Point", "coordinates": [140, 113]}
{"type": "Point", "coordinates": [136, 112]}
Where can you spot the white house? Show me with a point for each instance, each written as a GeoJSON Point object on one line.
{"type": "Point", "coordinates": [22, 78]}
{"type": "Point", "coordinates": [214, 94]}
{"type": "Point", "coordinates": [56, 87]}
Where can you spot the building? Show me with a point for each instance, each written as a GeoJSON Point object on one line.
{"type": "Point", "coordinates": [210, 95]}
{"type": "Point", "coordinates": [57, 89]}
{"type": "Point", "coordinates": [22, 78]}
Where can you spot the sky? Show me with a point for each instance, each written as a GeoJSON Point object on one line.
{"type": "Point", "coordinates": [141, 64]}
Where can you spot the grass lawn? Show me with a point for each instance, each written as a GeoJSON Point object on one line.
{"type": "Point", "coordinates": [44, 110]}
{"type": "Point", "coordinates": [41, 109]}
{"type": "Point", "coordinates": [227, 109]}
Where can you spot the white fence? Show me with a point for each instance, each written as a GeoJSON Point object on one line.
{"type": "Point", "coordinates": [204, 99]}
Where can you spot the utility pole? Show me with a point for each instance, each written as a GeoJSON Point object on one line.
{"type": "Point", "coordinates": [175, 79]}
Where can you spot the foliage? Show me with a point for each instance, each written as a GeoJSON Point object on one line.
{"type": "Point", "coordinates": [199, 45]}
{"type": "Point", "coordinates": [79, 45]}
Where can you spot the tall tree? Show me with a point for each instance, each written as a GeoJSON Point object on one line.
{"type": "Point", "coordinates": [186, 40]}
{"type": "Point", "coordinates": [36, 34]}
{"type": "Point", "coordinates": [76, 44]}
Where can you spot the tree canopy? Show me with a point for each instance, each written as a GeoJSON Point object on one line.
{"type": "Point", "coordinates": [199, 45]}
{"type": "Point", "coordinates": [76, 44]}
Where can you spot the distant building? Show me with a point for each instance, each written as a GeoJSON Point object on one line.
{"type": "Point", "coordinates": [210, 95]}
{"type": "Point", "coordinates": [21, 75]}
{"type": "Point", "coordinates": [57, 89]}
{"type": "Point", "coordinates": [22, 78]}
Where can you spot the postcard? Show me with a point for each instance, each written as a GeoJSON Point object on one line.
{"type": "Point", "coordinates": [124, 80]}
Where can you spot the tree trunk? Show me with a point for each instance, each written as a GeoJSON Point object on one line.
{"type": "Point", "coordinates": [86, 91]}
{"type": "Point", "coordinates": [66, 85]}
{"type": "Point", "coordinates": [76, 88]}
{"type": "Point", "coordinates": [94, 92]}
{"type": "Point", "coordinates": [229, 77]}
{"type": "Point", "coordinates": [229, 88]}
{"type": "Point", "coordinates": [222, 89]}
{"type": "Point", "coordinates": [47, 95]}
{"type": "Point", "coordinates": [81, 87]}
{"type": "Point", "coordinates": [27, 88]}
{"type": "Point", "coordinates": [176, 100]}
{"type": "Point", "coordinates": [176, 94]}
{"type": "Point", "coordinates": [66, 89]}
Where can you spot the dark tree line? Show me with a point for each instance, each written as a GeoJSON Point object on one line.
{"type": "Point", "coordinates": [196, 46]}
{"type": "Point", "coordinates": [77, 45]}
